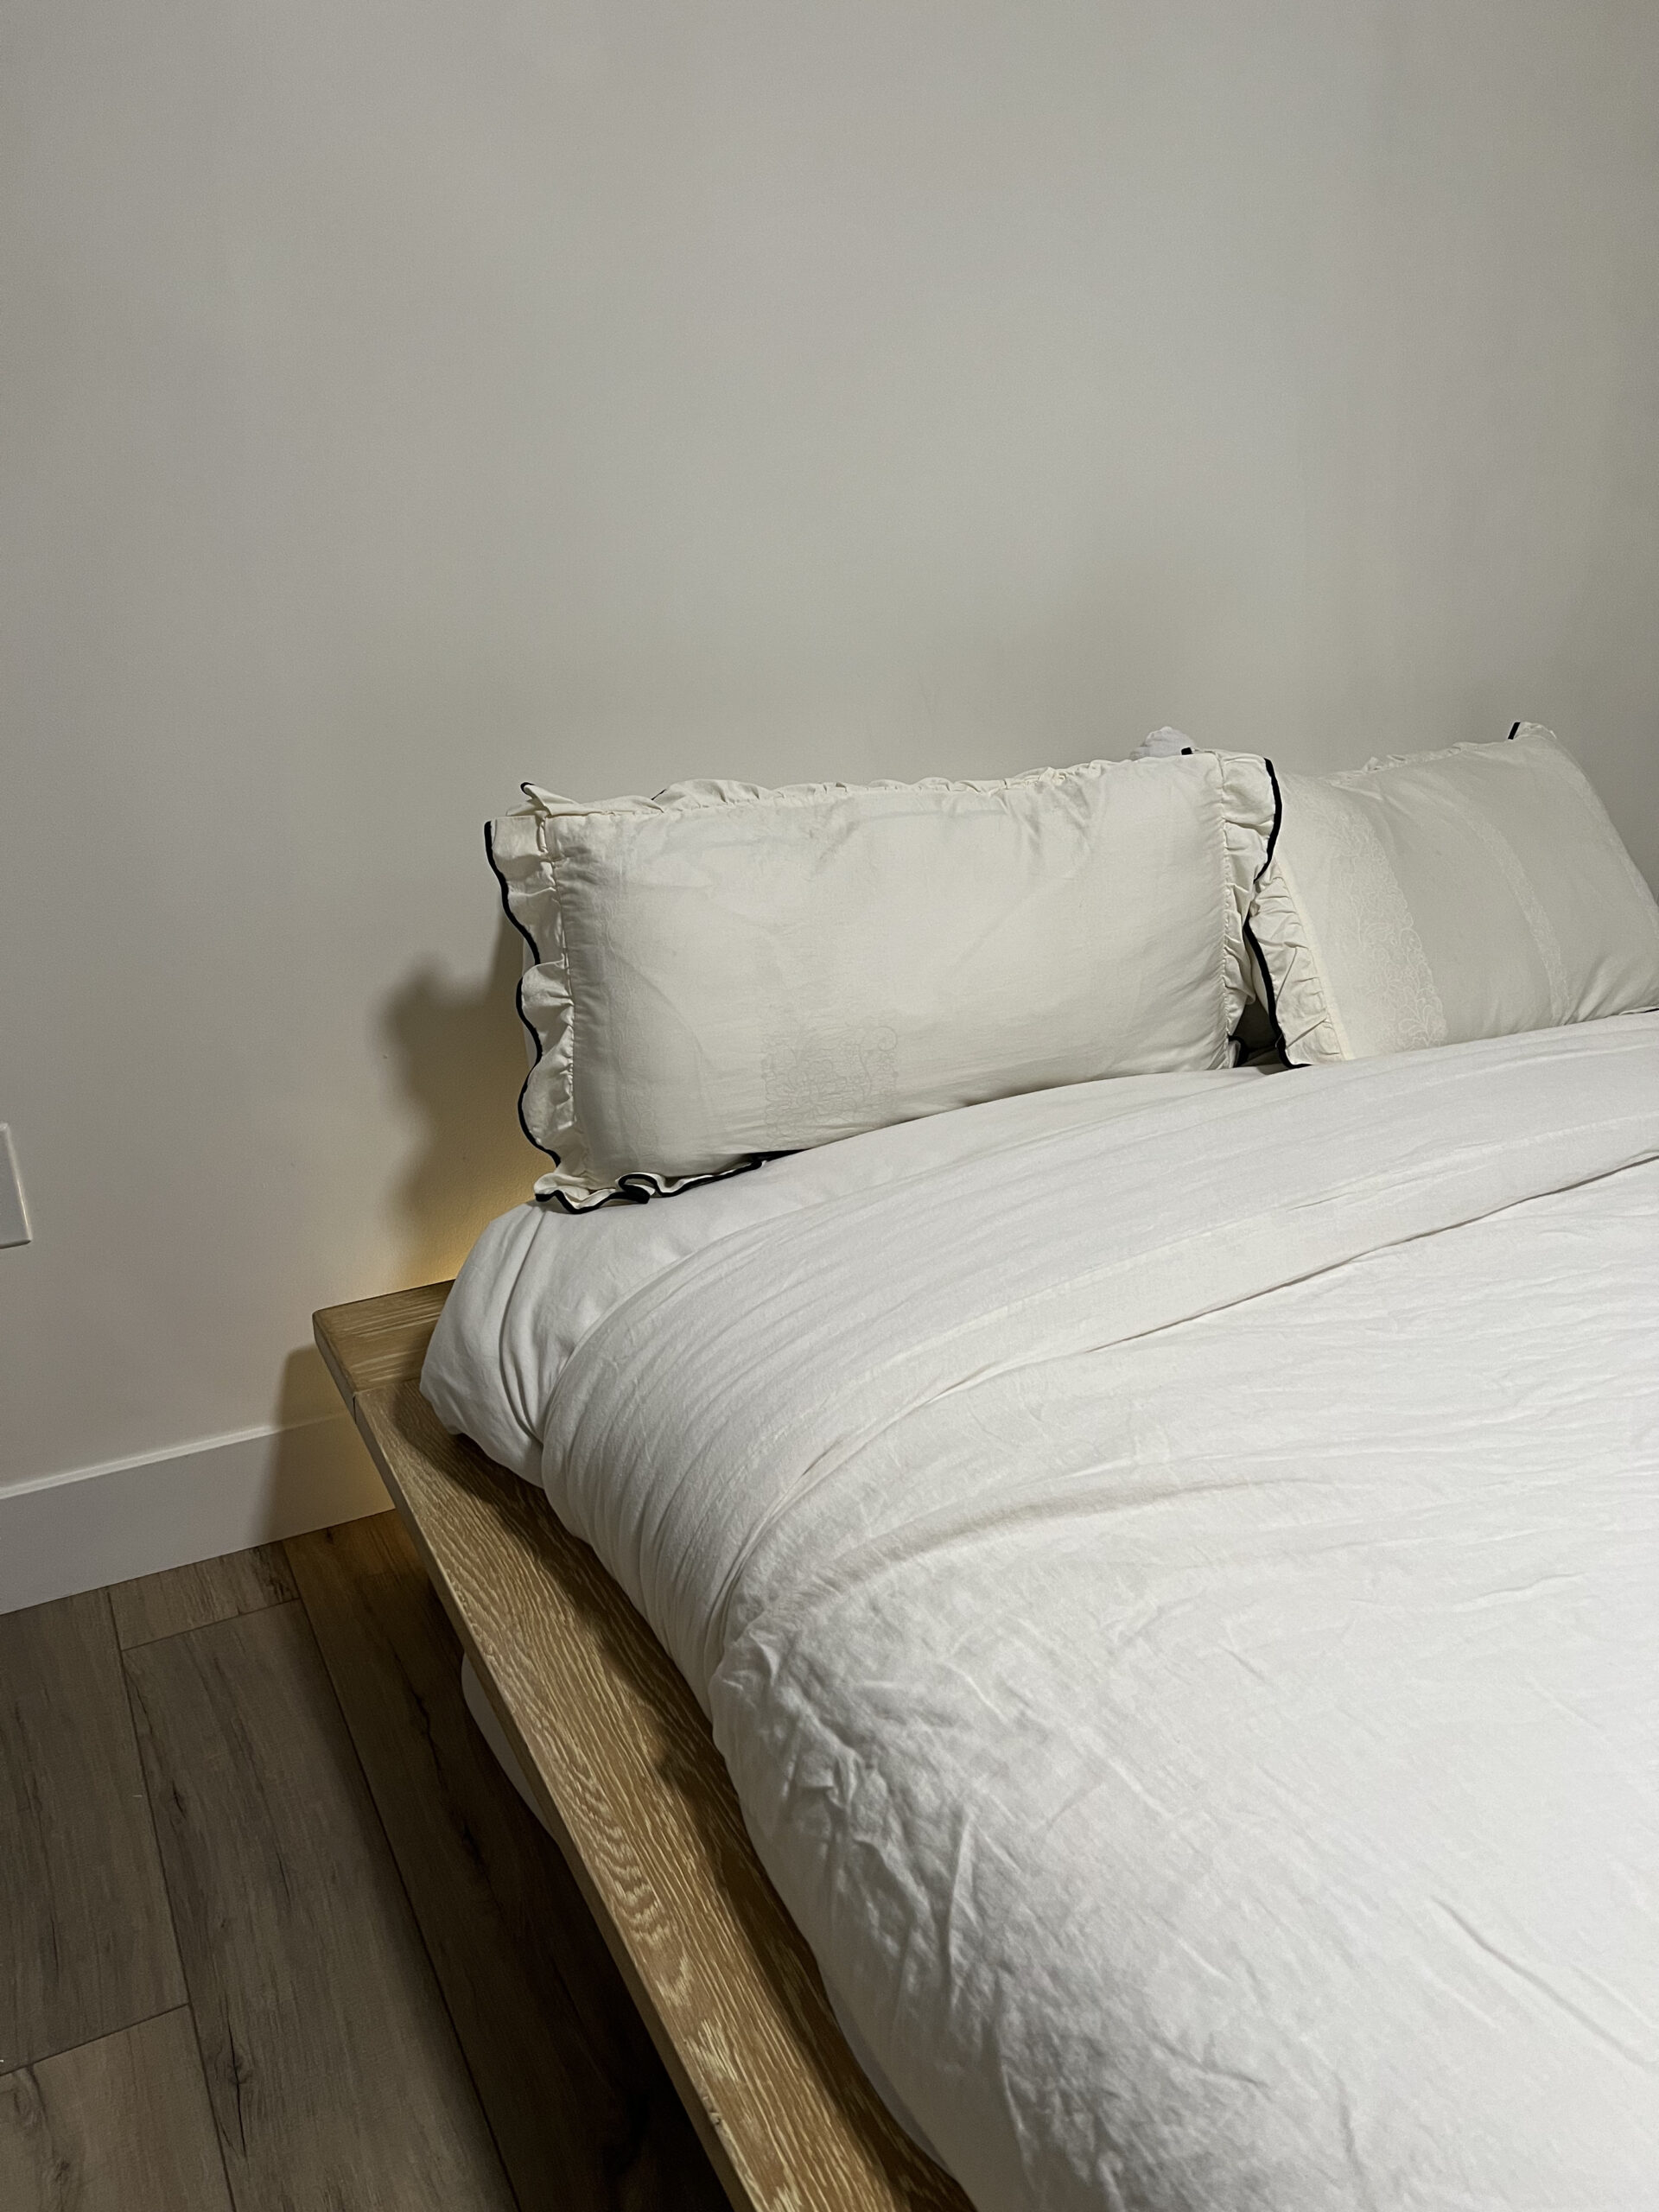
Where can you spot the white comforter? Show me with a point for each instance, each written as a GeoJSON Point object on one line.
{"type": "Point", "coordinates": [1172, 1571]}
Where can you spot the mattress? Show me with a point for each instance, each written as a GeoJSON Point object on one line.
{"type": "Point", "coordinates": [1171, 1570]}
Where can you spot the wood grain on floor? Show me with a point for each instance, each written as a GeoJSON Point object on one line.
{"type": "Point", "coordinates": [582, 2107]}
{"type": "Point", "coordinates": [332, 2065]}
{"type": "Point", "coordinates": [195, 1597]}
{"type": "Point", "coordinates": [85, 1937]}
{"type": "Point", "coordinates": [121, 2125]}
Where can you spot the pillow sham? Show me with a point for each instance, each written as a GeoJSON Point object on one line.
{"type": "Point", "coordinates": [1432, 898]}
{"type": "Point", "coordinates": [723, 973]}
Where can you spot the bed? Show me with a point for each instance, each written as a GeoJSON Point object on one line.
{"type": "Point", "coordinates": [1263, 1814]}
{"type": "Point", "coordinates": [1083, 1610]}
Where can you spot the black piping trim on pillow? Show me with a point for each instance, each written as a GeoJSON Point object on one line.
{"type": "Point", "coordinates": [639, 1187]}
{"type": "Point", "coordinates": [1278, 817]}
{"type": "Point", "coordinates": [534, 1034]}
{"type": "Point", "coordinates": [1250, 938]}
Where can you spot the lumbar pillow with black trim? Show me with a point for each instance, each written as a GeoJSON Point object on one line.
{"type": "Point", "coordinates": [722, 973]}
{"type": "Point", "coordinates": [1437, 897]}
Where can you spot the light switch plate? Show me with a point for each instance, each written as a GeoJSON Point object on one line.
{"type": "Point", "coordinates": [14, 1214]}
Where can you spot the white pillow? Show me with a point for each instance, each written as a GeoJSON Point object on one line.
{"type": "Point", "coordinates": [1436, 897]}
{"type": "Point", "coordinates": [722, 973]}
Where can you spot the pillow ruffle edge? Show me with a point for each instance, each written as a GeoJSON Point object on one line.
{"type": "Point", "coordinates": [1251, 810]}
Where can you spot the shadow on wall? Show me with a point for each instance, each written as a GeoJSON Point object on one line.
{"type": "Point", "coordinates": [319, 1470]}
{"type": "Point", "coordinates": [460, 1053]}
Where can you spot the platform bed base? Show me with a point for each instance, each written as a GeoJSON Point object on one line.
{"type": "Point", "coordinates": [625, 1775]}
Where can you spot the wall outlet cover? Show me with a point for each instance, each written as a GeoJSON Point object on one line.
{"type": "Point", "coordinates": [14, 1214]}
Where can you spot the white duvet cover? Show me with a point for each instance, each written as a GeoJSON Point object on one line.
{"type": "Point", "coordinates": [1173, 1569]}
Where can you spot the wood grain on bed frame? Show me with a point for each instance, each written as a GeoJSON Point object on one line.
{"type": "Point", "coordinates": [626, 1775]}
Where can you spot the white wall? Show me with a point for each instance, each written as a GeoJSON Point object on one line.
{"type": "Point", "coordinates": [402, 400]}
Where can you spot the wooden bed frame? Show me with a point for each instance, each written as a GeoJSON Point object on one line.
{"type": "Point", "coordinates": [625, 1770]}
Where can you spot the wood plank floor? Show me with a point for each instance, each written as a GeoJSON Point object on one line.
{"type": "Point", "coordinates": [196, 1597]}
{"type": "Point", "coordinates": [121, 2125]}
{"type": "Point", "coordinates": [87, 1937]}
{"type": "Point", "coordinates": [277, 1932]}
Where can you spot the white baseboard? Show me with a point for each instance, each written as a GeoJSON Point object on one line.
{"type": "Point", "coordinates": [77, 1531]}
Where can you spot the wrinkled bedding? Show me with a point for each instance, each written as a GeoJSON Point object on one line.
{"type": "Point", "coordinates": [1174, 1577]}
